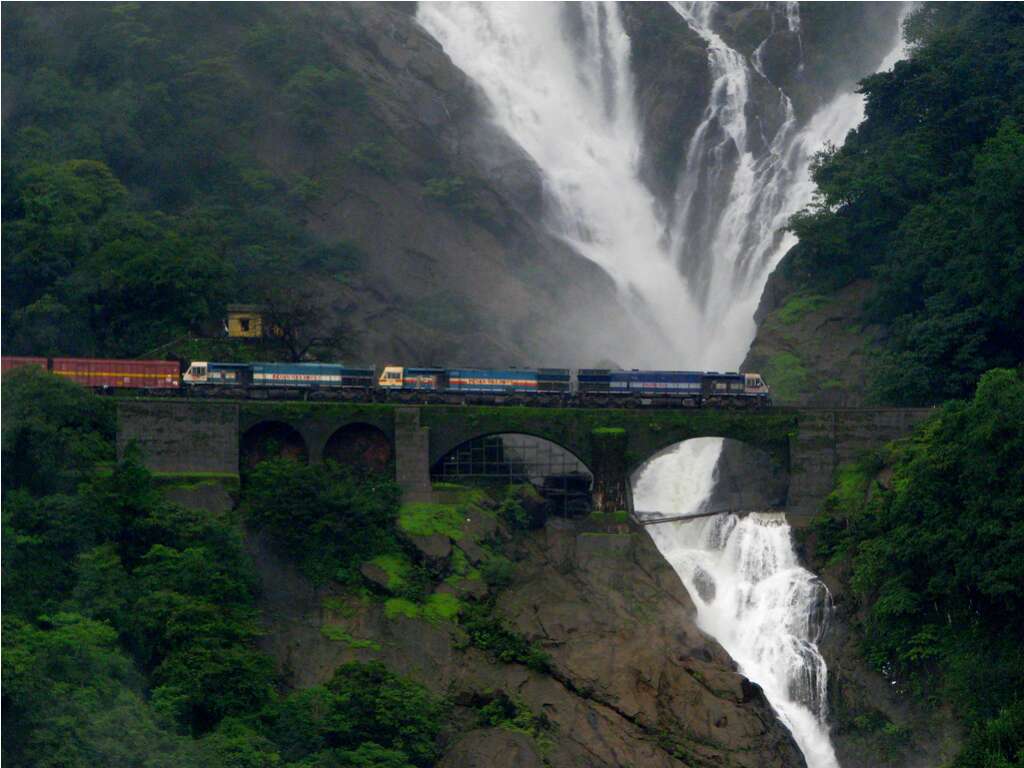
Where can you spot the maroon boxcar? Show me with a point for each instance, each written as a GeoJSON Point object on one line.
{"type": "Point", "coordinates": [9, 363]}
{"type": "Point", "coordinates": [135, 374]}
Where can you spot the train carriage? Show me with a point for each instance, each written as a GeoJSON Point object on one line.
{"type": "Point", "coordinates": [119, 374]}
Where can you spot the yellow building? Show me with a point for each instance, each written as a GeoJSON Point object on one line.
{"type": "Point", "coordinates": [245, 321]}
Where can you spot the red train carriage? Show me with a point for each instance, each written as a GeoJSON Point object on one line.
{"type": "Point", "coordinates": [9, 363]}
{"type": "Point", "coordinates": [135, 374]}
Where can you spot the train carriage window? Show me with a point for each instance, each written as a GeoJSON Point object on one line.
{"type": "Point", "coordinates": [720, 386]}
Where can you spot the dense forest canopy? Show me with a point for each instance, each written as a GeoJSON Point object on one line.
{"type": "Point", "coordinates": [936, 555]}
{"type": "Point", "coordinates": [927, 198]}
{"type": "Point", "coordinates": [129, 622]}
{"type": "Point", "coordinates": [135, 201]}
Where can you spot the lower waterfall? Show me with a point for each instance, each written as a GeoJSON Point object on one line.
{"type": "Point", "coordinates": [751, 593]}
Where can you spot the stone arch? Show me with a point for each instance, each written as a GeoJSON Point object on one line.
{"type": "Point", "coordinates": [269, 439]}
{"type": "Point", "coordinates": [360, 445]}
{"type": "Point", "coordinates": [556, 471]}
{"type": "Point", "coordinates": [737, 475]}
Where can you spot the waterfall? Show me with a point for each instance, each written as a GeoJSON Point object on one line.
{"type": "Point", "coordinates": [749, 589]}
{"type": "Point", "coordinates": [559, 82]}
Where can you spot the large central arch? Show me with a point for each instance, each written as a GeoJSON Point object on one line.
{"type": "Point", "coordinates": [708, 475]}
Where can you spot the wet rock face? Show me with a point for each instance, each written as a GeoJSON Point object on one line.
{"type": "Point", "coordinates": [493, 748]}
{"type": "Point", "coordinates": [632, 679]}
{"type": "Point", "coordinates": [747, 479]}
{"type": "Point", "coordinates": [673, 85]}
{"type": "Point", "coordinates": [434, 260]}
{"type": "Point", "coordinates": [813, 349]}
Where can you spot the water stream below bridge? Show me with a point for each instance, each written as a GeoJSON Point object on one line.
{"type": "Point", "coordinates": [559, 82]}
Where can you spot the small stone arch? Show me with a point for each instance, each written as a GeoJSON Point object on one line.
{"type": "Point", "coordinates": [360, 445]}
{"type": "Point", "coordinates": [271, 439]}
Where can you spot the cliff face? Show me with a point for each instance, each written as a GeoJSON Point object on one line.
{"type": "Point", "coordinates": [631, 681]}
{"type": "Point", "coordinates": [452, 223]}
{"type": "Point", "coordinates": [813, 349]}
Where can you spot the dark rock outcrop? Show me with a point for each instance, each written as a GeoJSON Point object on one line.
{"type": "Point", "coordinates": [632, 679]}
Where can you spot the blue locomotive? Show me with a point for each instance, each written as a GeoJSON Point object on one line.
{"type": "Point", "coordinates": [283, 375]}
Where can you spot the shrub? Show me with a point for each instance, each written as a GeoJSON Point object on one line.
{"type": "Point", "coordinates": [328, 517]}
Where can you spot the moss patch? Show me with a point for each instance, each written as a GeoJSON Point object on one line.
{"type": "Point", "coordinates": [799, 305]}
{"type": "Point", "coordinates": [396, 566]}
{"type": "Point", "coordinates": [787, 376]}
{"type": "Point", "coordinates": [340, 635]}
{"type": "Point", "coordinates": [441, 607]}
{"type": "Point", "coordinates": [422, 519]}
{"type": "Point", "coordinates": [399, 606]}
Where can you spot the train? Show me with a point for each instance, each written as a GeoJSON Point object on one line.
{"type": "Point", "coordinates": [337, 381]}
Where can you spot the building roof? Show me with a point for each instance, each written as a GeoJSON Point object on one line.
{"type": "Point", "coordinates": [257, 308]}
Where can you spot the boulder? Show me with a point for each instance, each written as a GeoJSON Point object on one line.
{"type": "Point", "coordinates": [435, 548]}
{"type": "Point", "coordinates": [493, 748]}
{"type": "Point", "coordinates": [375, 575]}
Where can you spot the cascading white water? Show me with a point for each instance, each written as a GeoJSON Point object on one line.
{"type": "Point", "coordinates": [561, 86]}
{"type": "Point", "coordinates": [568, 101]}
{"type": "Point", "coordinates": [750, 592]}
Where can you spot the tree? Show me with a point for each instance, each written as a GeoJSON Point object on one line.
{"type": "Point", "coordinates": [302, 323]}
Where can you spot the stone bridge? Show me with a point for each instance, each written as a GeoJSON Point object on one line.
{"type": "Point", "coordinates": [802, 446]}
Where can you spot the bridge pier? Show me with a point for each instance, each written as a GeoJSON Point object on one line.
{"type": "Point", "coordinates": [412, 456]}
{"type": "Point", "coordinates": [610, 466]}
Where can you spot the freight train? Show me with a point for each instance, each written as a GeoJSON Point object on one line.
{"type": "Point", "coordinates": [335, 381]}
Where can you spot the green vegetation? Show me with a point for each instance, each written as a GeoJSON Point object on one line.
{"type": "Point", "coordinates": [112, 591]}
{"type": "Point", "coordinates": [365, 716]}
{"type": "Point", "coordinates": [454, 192]}
{"type": "Point", "coordinates": [314, 512]}
{"type": "Point", "coordinates": [399, 606]}
{"type": "Point", "coordinates": [136, 202]}
{"type": "Point", "coordinates": [925, 197]}
{"type": "Point", "coordinates": [129, 622]}
{"type": "Point", "coordinates": [486, 631]}
{"type": "Point", "coordinates": [937, 558]}
{"type": "Point", "coordinates": [341, 635]}
{"type": "Point", "coordinates": [800, 305]}
{"type": "Point", "coordinates": [53, 432]}
{"type": "Point", "coordinates": [787, 375]}
{"type": "Point", "coordinates": [425, 519]}
{"type": "Point", "coordinates": [396, 566]}
{"type": "Point", "coordinates": [513, 714]}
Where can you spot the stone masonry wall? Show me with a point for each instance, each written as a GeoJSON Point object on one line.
{"type": "Point", "coordinates": [180, 437]}
{"type": "Point", "coordinates": [827, 438]}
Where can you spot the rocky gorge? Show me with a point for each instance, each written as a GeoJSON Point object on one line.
{"type": "Point", "coordinates": [631, 679]}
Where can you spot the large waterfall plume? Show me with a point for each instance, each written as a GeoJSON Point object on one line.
{"type": "Point", "coordinates": [559, 81]}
